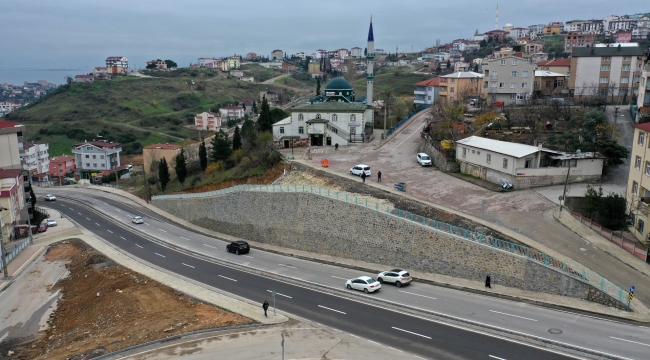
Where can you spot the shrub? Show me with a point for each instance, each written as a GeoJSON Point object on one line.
{"type": "Point", "coordinates": [213, 167]}
{"type": "Point", "coordinates": [195, 180]}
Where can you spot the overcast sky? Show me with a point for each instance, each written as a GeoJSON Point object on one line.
{"type": "Point", "coordinates": [82, 33]}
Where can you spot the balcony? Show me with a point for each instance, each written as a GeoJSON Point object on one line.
{"type": "Point", "coordinates": [417, 92]}
{"type": "Point", "coordinates": [419, 101]}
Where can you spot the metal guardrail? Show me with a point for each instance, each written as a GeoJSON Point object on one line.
{"type": "Point", "coordinates": [537, 256]}
{"type": "Point", "coordinates": [16, 250]}
{"type": "Point", "coordinates": [401, 122]}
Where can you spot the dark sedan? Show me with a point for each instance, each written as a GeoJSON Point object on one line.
{"type": "Point", "coordinates": [238, 247]}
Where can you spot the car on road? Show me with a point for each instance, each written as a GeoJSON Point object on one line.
{"type": "Point", "coordinates": [363, 283]}
{"type": "Point", "coordinates": [358, 169]}
{"type": "Point", "coordinates": [424, 159]}
{"type": "Point", "coordinates": [42, 227]}
{"type": "Point", "coordinates": [50, 197]}
{"type": "Point", "coordinates": [137, 220]}
{"type": "Point", "coordinates": [396, 276]}
{"type": "Point", "coordinates": [51, 222]}
{"type": "Point", "coordinates": [238, 247]}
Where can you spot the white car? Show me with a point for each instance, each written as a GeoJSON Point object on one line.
{"type": "Point", "coordinates": [137, 220]}
{"type": "Point", "coordinates": [51, 222]}
{"type": "Point", "coordinates": [395, 276]}
{"type": "Point", "coordinates": [424, 159]}
{"type": "Point", "coordinates": [356, 170]}
{"type": "Point", "coordinates": [50, 197]}
{"type": "Point", "coordinates": [363, 283]}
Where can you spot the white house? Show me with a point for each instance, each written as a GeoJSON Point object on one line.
{"type": "Point", "coordinates": [35, 158]}
{"type": "Point", "coordinates": [232, 112]}
{"type": "Point", "coordinates": [97, 155]}
{"type": "Point", "coordinates": [427, 91]}
{"type": "Point", "coordinates": [524, 166]}
{"type": "Point", "coordinates": [207, 121]}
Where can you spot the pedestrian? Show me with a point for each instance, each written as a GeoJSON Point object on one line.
{"type": "Point", "coordinates": [363, 176]}
{"type": "Point", "coordinates": [265, 306]}
{"type": "Point", "coordinates": [379, 176]}
{"type": "Point", "coordinates": [336, 147]}
{"type": "Point", "coordinates": [488, 281]}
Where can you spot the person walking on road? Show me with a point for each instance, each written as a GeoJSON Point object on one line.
{"type": "Point", "coordinates": [363, 176]}
{"type": "Point", "coordinates": [488, 282]}
{"type": "Point", "coordinates": [265, 306]}
{"type": "Point", "coordinates": [379, 176]}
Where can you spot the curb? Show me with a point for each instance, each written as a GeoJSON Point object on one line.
{"type": "Point", "coordinates": [344, 293]}
{"type": "Point", "coordinates": [5, 285]}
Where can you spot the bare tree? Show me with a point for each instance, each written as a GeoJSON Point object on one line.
{"type": "Point", "coordinates": [446, 122]}
{"type": "Point", "coordinates": [530, 116]}
{"type": "Point", "coordinates": [611, 88]}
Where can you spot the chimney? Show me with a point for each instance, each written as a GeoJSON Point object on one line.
{"type": "Point", "coordinates": [539, 145]}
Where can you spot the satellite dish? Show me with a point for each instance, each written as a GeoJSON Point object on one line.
{"type": "Point", "coordinates": [578, 151]}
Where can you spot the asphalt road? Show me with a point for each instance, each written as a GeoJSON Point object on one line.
{"type": "Point", "coordinates": [424, 338]}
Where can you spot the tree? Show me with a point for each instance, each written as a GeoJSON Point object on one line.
{"type": "Point", "coordinates": [236, 139]}
{"type": "Point", "coordinates": [221, 149]}
{"type": "Point", "coordinates": [151, 66]}
{"type": "Point", "coordinates": [264, 121]}
{"type": "Point", "coordinates": [32, 196]}
{"type": "Point", "coordinates": [615, 153]}
{"type": "Point", "coordinates": [483, 43]}
{"type": "Point", "coordinates": [318, 86]}
{"type": "Point", "coordinates": [180, 166]}
{"type": "Point", "coordinates": [163, 174]}
{"type": "Point", "coordinates": [254, 109]}
{"type": "Point", "coordinates": [613, 212]}
{"type": "Point", "coordinates": [448, 64]}
{"type": "Point", "coordinates": [243, 106]}
{"type": "Point", "coordinates": [365, 51]}
{"type": "Point", "coordinates": [203, 155]}
{"type": "Point", "coordinates": [171, 64]}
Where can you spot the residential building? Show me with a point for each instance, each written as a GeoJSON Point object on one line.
{"type": "Point", "coordinates": [538, 57]}
{"type": "Point", "coordinates": [537, 29]}
{"type": "Point", "coordinates": [313, 66]}
{"type": "Point", "coordinates": [101, 72]}
{"type": "Point", "coordinates": [61, 167]}
{"type": "Point", "coordinates": [460, 85]}
{"type": "Point", "coordinates": [593, 27]}
{"type": "Point", "coordinates": [251, 56]}
{"type": "Point", "coordinates": [518, 32]}
{"type": "Point", "coordinates": [508, 80]}
{"type": "Point", "coordinates": [549, 83]}
{"type": "Point", "coordinates": [573, 26]}
{"type": "Point", "coordinates": [622, 36]}
{"type": "Point", "coordinates": [356, 52]}
{"type": "Point", "coordinates": [83, 78]}
{"type": "Point", "coordinates": [534, 47]}
{"type": "Point", "coordinates": [343, 54]}
{"type": "Point", "coordinates": [606, 71]}
{"type": "Point", "coordinates": [152, 154]}
{"type": "Point", "coordinates": [640, 33]}
{"type": "Point", "coordinates": [273, 96]}
{"type": "Point", "coordinates": [638, 182]}
{"type": "Point", "coordinates": [427, 91]}
{"type": "Point", "coordinates": [35, 158]}
{"type": "Point", "coordinates": [277, 55]}
{"type": "Point", "coordinates": [560, 65]}
{"type": "Point", "coordinates": [496, 35]}
{"type": "Point", "coordinates": [97, 155]}
{"type": "Point", "coordinates": [12, 198]}
{"type": "Point", "coordinates": [207, 121]}
{"type": "Point", "coordinates": [247, 105]}
{"type": "Point", "coordinates": [461, 66]}
{"type": "Point", "coordinates": [479, 37]}
{"type": "Point", "coordinates": [207, 62]}
{"type": "Point", "coordinates": [621, 24]}
{"type": "Point", "coordinates": [525, 166]}
{"type": "Point", "coordinates": [575, 39]}
{"type": "Point", "coordinates": [159, 64]}
{"type": "Point", "coordinates": [9, 106]}
{"type": "Point", "coordinates": [11, 144]}
{"type": "Point", "coordinates": [247, 78]}
{"type": "Point", "coordinates": [232, 112]}
{"type": "Point", "coordinates": [643, 98]}
{"type": "Point", "coordinates": [234, 62]}
{"type": "Point", "coordinates": [553, 28]}
{"type": "Point", "coordinates": [288, 67]}
{"type": "Point", "coordinates": [117, 65]}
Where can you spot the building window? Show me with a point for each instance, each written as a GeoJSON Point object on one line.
{"type": "Point", "coordinates": [101, 156]}
{"type": "Point", "coordinates": [334, 117]}
{"type": "Point", "coordinates": [560, 83]}
{"type": "Point", "coordinates": [604, 80]}
{"type": "Point", "coordinates": [637, 163]}
{"type": "Point", "coordinates": [488, 158]}
{"type": "Point", "coordinates": [605, 67]}
{"type": "Point", "coordinates": [640, 225]}
{"type": "Point", "coordinates": [94, 165]}
{"type": "Point", "coordinates": [317, 116]}
{"type": "Point", "coordinates": [512, 85]}
{"type": "Point", "coordinates": [301, 117]}
{"type": "Point", "coordinates": [625, 67]}
{"type": "Point", "coordinates": [625, 80]}
{"type": "Point", "coordinates": [493, 85]}
{"type": "Point", "coordinates": [641, 138]}
{"type": "Point", "coordinates": [524, 85]}
{"type": "Point", "coordinates": [524, 74]}
{"type": "Point", "coordinates": [103, 165]}
{"type": "Point", "coordinates": [513, 96]}
{"type": "Point", "coordinates": [87, 156]}
{"type": "Point", "coordinates": [635, 187]}
{"type": "Point", "coordinates": [301, 130]}
{"type": "Point", "coordinates": [281, 130]}
{"type": "Point", "coordinates": [503, 62]}
{"type": "Point", "coordinates": [514, 74]}
{"type": "Point", "coordinates": [464, 152]}
{"type": "Point", "coordinates": [505, 163]}
{"type": "Point", "coordinates": [514, 62]}
{"type": "Point", "coordinates": [451, 90]}
{"type": "Point", "coordinates": [89, 148]}
{"type": "Point", "coordinates": [502, 85]}
{"type": "Point", "coordinates": [606, 58]}
{"type": "Point", "coordinates": [87, 164]}
{"type": "Point", "coordinates": [354, 117]}
{"type": "Point", "coordinates": [627, 58]}
{"type": "Point", "coordinates": [453, 81]}
{"type": "Point", "coordinates": [647, 168]}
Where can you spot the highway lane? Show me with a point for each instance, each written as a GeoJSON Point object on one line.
{"type": "Point", "coordinates": [410, 334]}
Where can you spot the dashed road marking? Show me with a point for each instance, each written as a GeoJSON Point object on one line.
{"type": "Point", "coordinates": [332, 309]}
{"type": "Point", "coordinates": [406, 292]}
{"type": "Point", "coordinates": [338, 277]}
{"type": "Point", "coordinates": [289, 266]}
{"type": "Point", "coordinates": [411, 332]}
{"type": "Point", "coordinates": [184, 238]}
{"type": "Point", "coordinates": [227, 278]}
{"type": "Point", "coordinates": [521, 317]}
{"type": "Point", "coordinates": [139, 246]}
{"type": "Point", "coordinates": [277, 293]}
{"type": "Point", "coordinates": [209, 246]}
{"type": "Point", "coordinates": [188, 265]}
{"type": "Point", "coordinates": [97, 224]}
{"type": "Point", "coordinates": [162, 230]}
{"type": "Point", "coordinates": [122, 237]}
{"type": "Point", "coordinates": [160, 255]}
{"type": "Point", "coordinates": [109, 231]}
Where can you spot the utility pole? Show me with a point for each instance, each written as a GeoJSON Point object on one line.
{"type": "Point", "coordinates": [615, 116]}
{"type": "Point", "coordinates": [565, 183]}
{"type": "Point", "coordinates": [2, 245]}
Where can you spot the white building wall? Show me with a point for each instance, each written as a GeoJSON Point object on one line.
{"type": "Point", "coordinates": [587, 75]}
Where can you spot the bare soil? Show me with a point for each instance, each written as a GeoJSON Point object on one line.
{"type": "Point", "coordinates": [106, 307]}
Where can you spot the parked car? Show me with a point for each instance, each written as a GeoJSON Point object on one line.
{"type": "Point", "coordinates": [50, 197]}
{"type": "Point", "coordinates": [363, 283]}
{"type": "Point", "coordinates": [137, 220]}
{"type": "Point", "coordinates": [356, 170]}
{"type": "Point", "coordinates": [395, 276]}
{"type": "Point", "coordinates": [51, 222]}
{"type": "Point", "coordinates": [424, 159]}
{"type": "Point", "coordinates": [42, 227]}
{"type": "Point", "coordinates": [238, 247]}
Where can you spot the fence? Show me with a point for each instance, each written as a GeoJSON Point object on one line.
{"type": "Point", "coordinates": [520, 250]}
{"type": "Point", "coordinates": [630, 245]}
{"type": "Point", "coordinates": [401, 122]}
{"type": "Point", "coordinates": [16, 250]}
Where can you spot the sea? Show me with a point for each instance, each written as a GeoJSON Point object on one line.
{"type": "Point", "coordinates": [18, 76]}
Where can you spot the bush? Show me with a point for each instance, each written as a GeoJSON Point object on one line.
{"type": "Point", "coordinates": [195, 181]}
{"type": "Point", "coordinates": [214, 167]}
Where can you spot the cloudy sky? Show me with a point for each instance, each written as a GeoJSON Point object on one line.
{"type": "Point", "coordinates": [82, 33]}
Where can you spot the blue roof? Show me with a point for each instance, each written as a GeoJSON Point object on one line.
{"type": "Point", "coordinates": [371, 37]}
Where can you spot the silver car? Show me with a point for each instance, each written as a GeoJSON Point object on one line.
{"type": "Point", "coordinates": [137, 220]}
{"type": "Point", "coordinates": [424, 159]}
{"type": "Point", "coordinates": [395, 276]}
{"type": "Point", "coordinates": [51, 222]}
{"type": "Point", "coordinates": [50, 197]}
{"type": "Point", "coordinates": [363, 283]}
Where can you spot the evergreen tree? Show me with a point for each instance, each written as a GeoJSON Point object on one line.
{"type": "Point", "coordinates": [317, 86]}
{"type": "Point", "coordinates": [236, 139]}
{"type": "Point", "coordinates": [448, 64]}
{"type": "Point", "coordinates": [163, 174]}
{"type": "Point", "coordinates": [264, 121]}
{"type": "Point", "coordinates": [32, 196]}
{"type": "Point", "coordinates": [254, 107]}
{"type": "Point", "coordinates": [203, 155]}
{"type": "Point", "coordinates": [181, 167]}
{"type": "Point", "coordinates": [221, 149]}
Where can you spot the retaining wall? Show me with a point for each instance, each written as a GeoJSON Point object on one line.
{"type": "Point", "coordinates": [439, 160]}
{"type": "Point", "coordinates": [318, 224]}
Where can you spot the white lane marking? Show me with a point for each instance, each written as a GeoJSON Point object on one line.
{"type": "Point", "coordinates": [248, 256]}
{"type": "Point", "coordinates": [160, 255]}
{"type": "Point", "coordinates": [336, 330]}
{"type": "Point", "coordinates": [139, 246]}
{"type": "Point", "coordinates": [416, 131]}
{"type": "Point", "coordinates": [406, 292]}
{"type": "Point", "coordinates": [109, 231]}
{"type": "Point", "coordinates": [122, 237]}
{"type": "Point", "coordinates": [394, 349]}
{"type": "Point", "coordinates": [79, 213]}
{"type": "Point", "coordinates": [374, 342]}
{"type": "Point", "coordinates": [118, 210]}
{"type": "Point", "coordinates": [227, 278]}
{"type": "Point", "coordinates": [419, 357]}
{"type": "Point", "coordinates": [634, 342]}
{"type": "Point", "coordinates": [97, 224]}
{"type": "Point", "coordinates": [277, 293]}
{"type": "Point", "coordinates": [162, 230]}
{"type": "Point", "coordinates": [411, 332]}
{"type": "Point", "coordinates": [289, 266]}
{"type": "Point", "coordinates": [332, 309]}
{"type": "Point", "coordinates": [521, 317]}
{"type": "Point", "coordinates": [498, 358]}
{"type": "Point", "coordinates": [355, 336]}
{"type": "Point", "coordinates": [146, 224]}
{"type": "Point", "coordinates": [188, 265]}
{"type": "Point", "coordinates": [209, 246]}
{"type": "Point", "coordinates": [185, 238]}
{"type": "Point", "coordinates": [337, 277]}
{"type": "Point", "coordinates": [87, 218]}
{"type": "Point", "coordinates": [316, 323]}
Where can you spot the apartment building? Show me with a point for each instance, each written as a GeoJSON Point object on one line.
{"type": "Point", "coordinates": [12, 198]}
{"type": "Point", "coordinates": [356, 52]}
{"type": "Point", "coordinates": [460, 85]}
{"type": "Point", "coordinates": [593, 27]}
{"type": "Point", "coordinates": [232, 112]}
{"type": "Point", "coordinates": [427, 91]}
{"type": "Point", "coordinates": [508, 79]}
{"type": "Point", "coordinates": [233, 62]}
{"type": "Point", "coordinates": [117, 64]}
{"type": "Point", "coordinates": [643, 98]}
{"type": "Point", "coordinates": [638, 186]}
{"type": "Point", "coordinates": [277, 55]}
{"type": "Point", "coordinates": [11, 144]}
{"type": "Point", "coordinates": [36, 158]}
{"type": "Point", "coordinates": [60, 166]}
{"type": "Point", "coordinates": [578, 39]}
{"type": "Point", "coordinates": [97, 155]}
{"type": "Point", "coordinates": [207, 121]}
{"type": "Point", "coordinates": [573, 26]}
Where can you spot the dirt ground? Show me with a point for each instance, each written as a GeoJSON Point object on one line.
{"type": "Point", "coordinates": [106, 307]}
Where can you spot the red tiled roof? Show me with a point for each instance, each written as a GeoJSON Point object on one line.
{"type": "Point", "coordinates": [163, 146]}
{"type": "Point", "coordinates": [62, 158]}
{"type": "Point", "coordinates": [99, 144]}
{"type": "Point", "coordinates": [10, 173]}
{"type": "Point", "coordinates": [555, 62]}
{"type": "Point", "coordinates": [83, 76]}
{"type": "Point", "coordinates": [644, 126]}
{"type": "Point", "coordinates": [8, 124]}
{"type": "Point", "coordinates": [431, 82]}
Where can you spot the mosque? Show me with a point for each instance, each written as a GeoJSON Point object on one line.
{"type": "Point", "coordinates": [336, 117]}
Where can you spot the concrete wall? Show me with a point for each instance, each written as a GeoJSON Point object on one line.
{"type": "Point", "coordinates": [321, 225]}
{"type": "Point", "coordinates": [439, 160]}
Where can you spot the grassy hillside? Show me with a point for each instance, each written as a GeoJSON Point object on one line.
{"type": "Point", "coordinates": [398, 80]}
{"type": "Point", "coordinates": [131, 110]}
